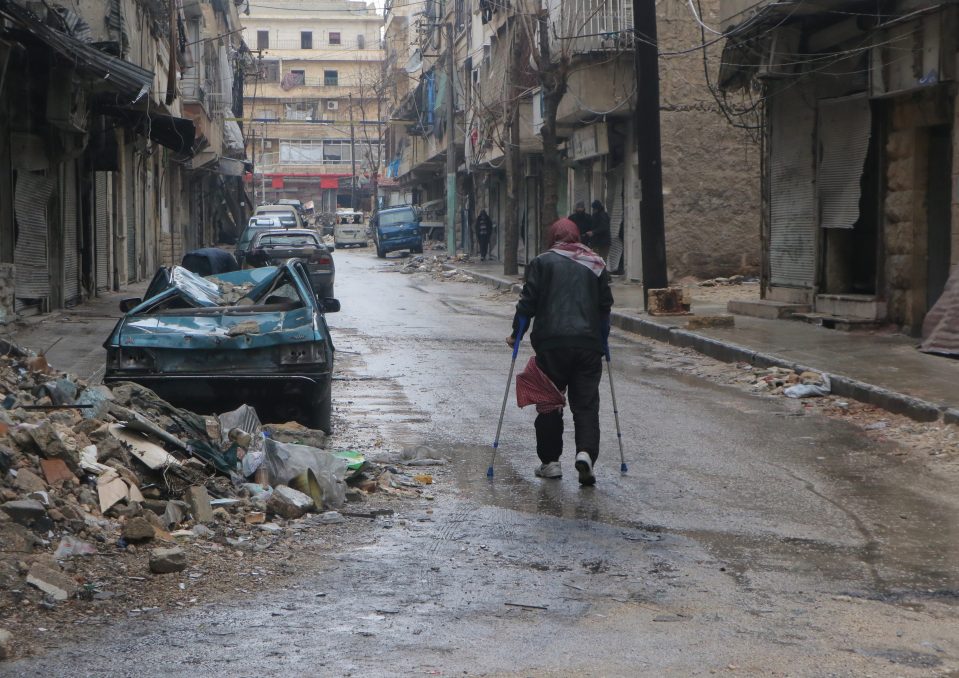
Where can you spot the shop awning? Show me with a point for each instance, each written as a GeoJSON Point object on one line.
{"type": "Point", "coordinates": [177, 134]}
{"type": "Point", "coordinates": [129, 82]}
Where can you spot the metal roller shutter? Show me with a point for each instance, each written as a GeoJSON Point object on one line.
{"type": "Point", "coordinates": [130, 198]}
{"type": "Point", "coordinates": [844, 130]}
{"type": "Point", "coordinates": [792, 237]}
{"type": "Point", "coordinates": [616, 206]}
{"type": "Point", "coordinates": [31, 196]}
{"type": "Point", "coordinates": [102, 221]}
{"type": "Point", "coordinates": [71, 255]}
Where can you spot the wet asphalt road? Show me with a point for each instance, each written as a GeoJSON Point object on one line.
{"type": "Point", "coordinates": [745, 540]}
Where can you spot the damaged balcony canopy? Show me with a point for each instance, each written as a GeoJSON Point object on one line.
{"type": "Point", "coordinates": [257, 336]}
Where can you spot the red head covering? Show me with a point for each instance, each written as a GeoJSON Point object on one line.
{"type": "Point", "coordinates": [562, 230]}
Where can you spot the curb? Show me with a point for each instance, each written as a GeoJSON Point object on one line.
{"type": "Point", "coordinates": [843, 386]}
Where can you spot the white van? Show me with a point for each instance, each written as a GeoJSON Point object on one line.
{"type": "Point", "coordinates": [349, 229]}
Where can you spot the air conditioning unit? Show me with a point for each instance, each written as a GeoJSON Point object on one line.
{"type": "Point", "coordinates": [332, 105]}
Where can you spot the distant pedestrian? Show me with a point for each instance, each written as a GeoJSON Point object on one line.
{"type": "Point", "coordinates": [599, 237]}
{"type": "Point", "coordinates": [583, 221]}
{"type": "Point", "coordinates": [484, 229]}
{"type": "Point", "coordinates": [568, 298]}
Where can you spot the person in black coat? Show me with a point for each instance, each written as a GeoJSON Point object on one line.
{"type": "Point", "coordinates": [599, 236]}
{"type": "Point", "coordinates": [583, 221]}
{"type": "Point", "coordinates": [484, 229]}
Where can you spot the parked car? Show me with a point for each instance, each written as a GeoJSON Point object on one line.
{"type": "Point", "coordinates": [208, 261]}
{"type": "Point", "coordinates": [256, 224]}
{"type": "Point", "coordinates": [257, 336]}
{"type": "Point", "coordinates": [279, 210]}
{"type": "Point", "coordinates": [396, 228]}
{"type": "Point", "coordinates": [271, 248]}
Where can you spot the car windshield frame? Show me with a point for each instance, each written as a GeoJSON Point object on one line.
{"type": "Point", "coordinates": [397, 217]}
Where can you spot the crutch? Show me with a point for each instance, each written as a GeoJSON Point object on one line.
{"type": "Point", "coordinates": [619, 431]}
{"type": "Point", "coordinates": [502, 410]}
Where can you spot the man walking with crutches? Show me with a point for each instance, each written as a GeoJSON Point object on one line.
{"type": "Point", "coordinates": [567, 296]}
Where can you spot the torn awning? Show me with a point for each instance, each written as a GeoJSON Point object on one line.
{"type": "Point", "coordinates": [177, 134]}
{"type": "Point", "coordinates": [130, 82]}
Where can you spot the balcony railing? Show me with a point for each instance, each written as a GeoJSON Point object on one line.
{"type": "Point", "coordinates": [320, 44]}
{"type": "Point", "coordinates": [593, 25]}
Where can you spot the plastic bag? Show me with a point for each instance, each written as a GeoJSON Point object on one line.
{"type": "Point", "coordinates": [810, 390]}
{"type": "Point", "coordinates": [285, 461]}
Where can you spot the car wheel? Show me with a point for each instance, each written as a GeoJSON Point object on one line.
{"type": "Point", "coordinates": [417, 250]}
{"type": "Point", "coordinates": [321, 407]}
{"type": "Point", "coordinates": [380, 253]}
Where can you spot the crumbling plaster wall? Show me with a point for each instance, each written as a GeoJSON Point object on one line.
{"type": "Point", "coordinates": [711, 170]}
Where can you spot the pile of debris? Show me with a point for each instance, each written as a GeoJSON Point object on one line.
{"type": "Point", "coordinates": [87, 470]}
{"type": "Point", "coordinates": [436, 266]}
{"type": "Point", "coordinates": [785, 381]}
{"type": "Point", "coordinates": [732, 280]}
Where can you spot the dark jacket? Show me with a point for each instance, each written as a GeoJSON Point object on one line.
{"type": "Point", "coordinates": [601, 235]}
{"type": "Point", "coordinates": [583, 222]}
{"type": "Point", "coordinates": [484, 225]}
{"type": "Point", "coordinates": [568, 302]}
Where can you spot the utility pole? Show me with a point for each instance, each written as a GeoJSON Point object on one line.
{"type": "Point", "coordinates": [652, 229]}
{"type": "Point", "coordinates": [450, 145]}
{"type": "Point", "coordinates": [352, 158]}
{"type": "Point", "coordinates": [262, 167]}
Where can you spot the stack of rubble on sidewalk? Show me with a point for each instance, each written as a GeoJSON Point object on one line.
{"type": "Point", "coordinates": [90, 475]}
{"type": "Point", "coordinates": [436, 266]}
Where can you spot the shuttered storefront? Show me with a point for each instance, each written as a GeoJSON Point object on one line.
{"type": "Point", "coordinates": [129, 195]}
{"type": "Point", "coordinates": [71, 254]}
{"type": "Point", "coordinates": [792, 237]}
{"type": "Point", "coordinates": [31, 197]}
{"type": "Point", "coordinates": [616, 206]}
{"type": "Point", "coordinates": [844, 129]}
{"type": "Point", "coordinates": [102, 226]}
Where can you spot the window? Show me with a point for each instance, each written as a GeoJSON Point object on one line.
{"type": "Point", "coordinates": [300, 111]}
{"type": "Point", "coordinates": [361, 42]}
{"type": "Point", "coordinates": [336, 150]}
{"type": "Point", "coordinates": [334, 38]}
{"type": "Point", "coordinates": [330, 78]}
{"type": "Point", "coordinates": [297, 77]}
{"type": "Point", "coordinates": [263, 40]}
{"type": "Point", "coordinates": [270, 71]}
{"type": "Point", "coordinates": [306, 39]}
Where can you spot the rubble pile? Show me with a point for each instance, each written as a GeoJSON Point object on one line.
{"type": "Point", "coordinates": [101, 487]}
{"type": "Point", "coordinates": [732, 280]}
{"type": "Point", "coordinates": [436, 266]}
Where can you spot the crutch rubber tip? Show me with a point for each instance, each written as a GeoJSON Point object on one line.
{"type": "Point", "coordinates": [489, 472]}
{"type": "Point", "coordinates": [622, 468]}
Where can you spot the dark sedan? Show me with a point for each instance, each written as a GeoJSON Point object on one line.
{"type": "Point", "coordinates": [273, 247]}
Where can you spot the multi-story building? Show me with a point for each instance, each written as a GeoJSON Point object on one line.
{"type": "Point", "coordinates": [861, 218]}
{"type": "Point", "coordinates": [109, 164]}
{"type": "Point", "coordinates": [712, 221]}
{"type": "Point", "coordinates": [314, 101]}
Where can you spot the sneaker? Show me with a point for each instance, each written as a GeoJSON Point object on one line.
{"type": "Point", "coordinates": [550, 470]}
{"type": "Point", "coordinates": [584, 466]}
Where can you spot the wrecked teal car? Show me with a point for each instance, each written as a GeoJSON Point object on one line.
{"type": "Point", "coordinates": [210, 344]}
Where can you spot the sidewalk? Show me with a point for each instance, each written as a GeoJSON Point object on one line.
{"type": "Point", "coordinates": [876, 367]}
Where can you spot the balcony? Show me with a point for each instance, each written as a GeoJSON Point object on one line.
{"type": "Point", "coordinates": [587, 26]}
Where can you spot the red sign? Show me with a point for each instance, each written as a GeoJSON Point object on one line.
{"type": "Point", "coordinates": [277, 182]}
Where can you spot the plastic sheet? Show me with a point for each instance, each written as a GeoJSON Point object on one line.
{"type": "Point", "coordinates": [285, 461]}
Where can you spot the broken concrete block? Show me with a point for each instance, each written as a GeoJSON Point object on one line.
{"type": "Point", "coordinates": [165, 561]}
{"type": "Point", "coordinates": [199, 500]}
{"type": "Point", "coordinates": [289, 503]}
{"type": "Point", "coordinates": [52, 582]}
{"type": "Point", "coordinates": [27, 512]}
{"type": "Point", "coordinates": [6, 644]}
{"type": "Point", "coordinates": [28, 481]}
{"type": "Point", "coordinates": [51, 445]}
{"type": "Point", "coordinates": [138, 529]}
{"type": "Point", "coordinates": [56, 471]}
{"type": "Point", "coordinates": [667, 301]}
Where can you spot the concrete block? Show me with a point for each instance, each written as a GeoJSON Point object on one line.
{"type": "Point", "coordinates": [166, 561]}
{"type": "Point", "coordinates": [862, 307]}
{"type": "Point", "coordinates": [6, 644]}
{"type": "Point", "coordinates": [669, 300]}
{"type": "Point", "coordinates": [199, 500]}
{"type": "Point", "coordinates": [52, 582]}
{"type": "Point", "coordinates": [951, 416]}
{"type": "Point", "coordinates": [765, 308]}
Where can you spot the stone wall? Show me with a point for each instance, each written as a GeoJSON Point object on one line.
{"type": "Point", "coordinates": [7, 288]}
{"type": "Point", "coordinates": [711, 169]}
{"type": "Point", "coordinates": [171, 249]}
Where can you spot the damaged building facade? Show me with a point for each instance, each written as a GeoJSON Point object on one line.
{"type": "Point", "coordinates": [119, 150]}
{"type": "Point", "coordinates": [710, 213]}
{"type": "Point", "coordinates": [861, 218]}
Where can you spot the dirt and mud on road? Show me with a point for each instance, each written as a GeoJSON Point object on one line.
{"type": "Point", "coordinates": [753, 535]}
